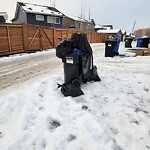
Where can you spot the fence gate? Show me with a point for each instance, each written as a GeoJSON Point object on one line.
{"type": "Point", "coordinates": [39, 38]}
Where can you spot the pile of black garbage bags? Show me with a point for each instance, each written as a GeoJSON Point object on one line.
{"type": "Point", "coordinates": [77, 57]}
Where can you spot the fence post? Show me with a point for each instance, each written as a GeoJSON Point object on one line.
{"type": "Point", "coordinates": [8, 34]}
{"type": "Point", "coordinates": [54, 37]}
{"type": "Point", "coordinates": [68, 33]}
{"type": "Point", "coordinates": [25, 36]}
{"type": "Point", "coordinates": [41, 38]}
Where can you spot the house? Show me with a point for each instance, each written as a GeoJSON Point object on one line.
{"type": "Point", "coordinates": [112, 31]}
{"type": "Point", "coordinates": [3, 17]}
{"type": "Point", "coordinates": [103, 27]}
{"type": "Point", "coordinates": [38, 15]}
{"type": "Point", "coordinates": [78, 23]}
{"type": "Point", "coordinates": [142, 32]}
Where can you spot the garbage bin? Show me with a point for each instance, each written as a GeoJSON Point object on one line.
{"type": "Point", "coordinates": [145, 42]}
{"type": "Point", "coordinates": [77, 58]}
{"type": "Point", "coordinates": [128, 42]}
{"type": "Point", "coordinates": [139, 42]}
{"type": "Point", "coordinates": [116, 49]}
{"type": "Point", "coordinates": [72, 75]}
{"type": "Point", "coordinates": [109, 47]}
{"type": "Point", "coordinates": [72, 70]}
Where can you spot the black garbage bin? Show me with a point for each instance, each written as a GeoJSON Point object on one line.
{"type": "Point", "coordinates": [76, 55]}
{"type": "Point", "coordinates": [145, 42]}
{"type": "Point", "coordinates": [72, 75]}
{"type": "Point", "coordinates": [72, 70]}
{"type": "Point", "coordinates": [109, 47]}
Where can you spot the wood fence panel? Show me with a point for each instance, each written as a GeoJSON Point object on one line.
{"type": "Point", "coordinates": [47, 38]}
{"type": "Point", "coordinates": [58, 35]}
{"type": "Point", "coordinates": [64, 33]}
{"type": "Point", "coordinates": [4, 47]}
{"type": "Point", "coordinates": [33, 35]}
{"type": "Point", "coordinates": [70, 32]}
{"type": "Point", "coordinates": [15, 38]}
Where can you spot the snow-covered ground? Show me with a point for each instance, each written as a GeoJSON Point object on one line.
{"type": "Point", "coordinates": [113, 114]}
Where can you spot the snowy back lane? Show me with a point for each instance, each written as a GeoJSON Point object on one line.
{"type": "Point", "coordinates": [23, 67]}
{"type": "Point", "coordinates": [113, 114]}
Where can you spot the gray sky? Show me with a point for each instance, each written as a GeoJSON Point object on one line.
{"type": "Point", "coordinates": [120, 13]}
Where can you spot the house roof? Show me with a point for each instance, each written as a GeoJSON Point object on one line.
{"type": "Point", "coordinates": [111, 31]}
{"type": "Point", "coordinates": [124, 32]}
{"type": "Point", "coordinates": [4, 14]}
{"type": "Point", "coordinates": [103, 27]}
{"type": "Point", "coordinates": [78, 19]}
{"type": "Point", "coordinates": [37, 9]}
{"type": "Point", "coordinates": [98, 26]}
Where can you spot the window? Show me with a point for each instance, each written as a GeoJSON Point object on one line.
{"type": "Point", "coordinates": [88, 26]}
{"type": "Point", "coordinates": [39, 17]}
{"type": "Point", "coordinates": [52, 19]}
{"type": "Point", "coordinates": [81, 25]}
{"type": "Point", "coordinates": [57, 20]}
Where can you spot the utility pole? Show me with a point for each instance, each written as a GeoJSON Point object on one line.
{"type": "Point", "coordinates": [89, 13]}
{"type": "Point", "coordinates": [133, 28]}
{"type": "Point", "coordinates": [81, 8]}
{"type": "Point", "coordinates": [84, 8]}
{"type": "Point", "coordinates": [52, 4]}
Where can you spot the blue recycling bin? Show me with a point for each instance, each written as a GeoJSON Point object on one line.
{"type": "Point", "coordinates": [116, 49]}
{"type": "Point", "coordinates": [139, 42]}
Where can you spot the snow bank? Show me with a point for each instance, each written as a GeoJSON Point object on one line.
{"type": "Point", "coordinates": [113, 114]}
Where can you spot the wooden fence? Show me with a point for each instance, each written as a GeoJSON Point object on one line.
{"type": "Point", "coordinates": [17, 38]}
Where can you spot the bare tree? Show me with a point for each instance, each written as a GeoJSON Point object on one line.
{"type": "Point", "coordinates": [52, 3]}
{"type": "Point", "coordinates": [84, 8]}
{"type": "Point", "coordinates": [81, 8]}
{"type": "Point", "coordinates": [89, 13]}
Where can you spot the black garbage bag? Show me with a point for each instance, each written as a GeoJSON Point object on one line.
{"type": "Point", "coordinates": [84, 45]}
{"type": "Point", "coordinates": [71, 90]}
{"type": "Point", "coordinates": [63, 48]}
{"type": "Point", "coordinates": [80, 41]}
{"type": "Point", "coordinates": [89, 71]}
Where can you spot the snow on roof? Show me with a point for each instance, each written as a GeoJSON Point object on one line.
{"type": "Point", "coordinates": [39, 9]}
{"type": "Point", "coordinates": [102, 27]}
{"type": "Point", "coordinates": [123, 32]}
{"type": "Point", "coordinates": [107, 28]}
{"type": "Point", "coordinates": [98, 26]}
{"type": "Point", "coordinates": [110, 31]}
{"type": "Point", "coordinates": [78, 18]}
{"type": "Point", "coordinates": [4, 14]}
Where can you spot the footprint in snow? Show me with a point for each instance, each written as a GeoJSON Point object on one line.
{"type": "Point", "coordinates": [115, 146]}
{"type": "Point", "coordinates": [29, 121]}
{"type": "Point", "coordinates": [42, 88]}
{"type": "Point", "coordinates": [71, 137]}
{"type": "Point", "coordinates": [115, 131]}
{"type": "Point", "coordinates": [84, 107]}
{"type": "Point", "coordinates": [39, 145]}
{"type": "Point", "coordinates": [140, 110]}
{"type": "Point", "coordinates": [146, 89]}
{"type": "Point", "coordinates": [52, 124]}
{"type": "Point", "coordinates": [1, 135]}
{"type": "Point", "coordinates": [132, 120]}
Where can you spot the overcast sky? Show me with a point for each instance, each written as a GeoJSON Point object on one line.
{"type": "Point", "coordinates": [120, 13]}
